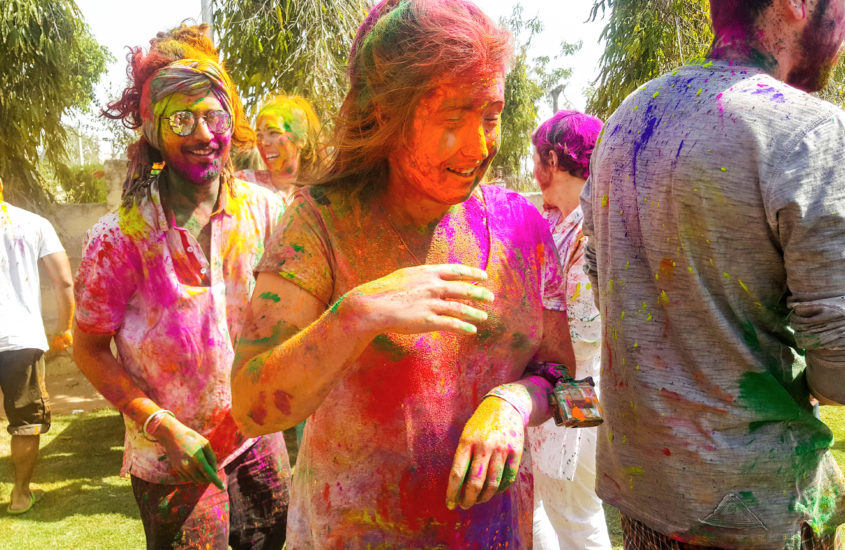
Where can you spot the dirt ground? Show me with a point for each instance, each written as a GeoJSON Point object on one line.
{"type": "Point", "coordinates": [68, 388]}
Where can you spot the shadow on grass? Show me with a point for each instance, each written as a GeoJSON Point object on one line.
{"type": "Point", "coordinates": [81, 463]}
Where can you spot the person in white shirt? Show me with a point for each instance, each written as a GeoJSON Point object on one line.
{"type": "Point", "coordinates": [567, 513]}
{"type": "Point", "coordinates": [26, 238]}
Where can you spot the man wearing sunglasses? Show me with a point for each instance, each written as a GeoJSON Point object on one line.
{"type": "Point", "coordinates": [168, 277]}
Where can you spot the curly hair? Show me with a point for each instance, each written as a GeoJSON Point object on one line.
{"type": "Point", "coordinates": [185, 42]}
{"type": "Point", "coordinates": [284, 107]}
{"type": "Point", "coordinates": [572, 135]}
{"type": "Point", "coordinates": [401, 53]}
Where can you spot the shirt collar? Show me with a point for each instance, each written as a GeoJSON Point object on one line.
{"type": "Point", "coordinates": [223, 202]}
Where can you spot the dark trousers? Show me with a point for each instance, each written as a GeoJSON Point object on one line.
{"type": "Point", "coordinates": [250, 513]}
{"type": "Point", "coordinates": [636, 535]}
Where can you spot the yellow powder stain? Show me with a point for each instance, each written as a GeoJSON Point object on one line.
{"type": "Point", "coordinates": [131, 222]}
{"type": "Point", "coordinates": [663, 299]}
{"type": "Point", "coordinates": [604, 201]}
{"type": "Point", "coordinates": [745, 288]}
{"type": "Point", "coordinates": [577, 292]}
{"type": "Point", "coordinates": [698, 93]}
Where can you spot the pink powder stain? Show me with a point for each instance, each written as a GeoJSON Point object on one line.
{"type": "Point", "coordinates": [721, 106]}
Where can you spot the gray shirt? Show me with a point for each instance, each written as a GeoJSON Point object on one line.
{"type": "Point", "coordinates": [716, 217]}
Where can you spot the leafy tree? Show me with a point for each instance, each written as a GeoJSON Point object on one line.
{"type": "Point", "coordinates": [835, 92]}
{"type": "Point", "coordinates": [49, 63]}
{"type": "Point", "coordinates": [528, 81]}
{"type": "Point", "coordinates": [296, 46]}
{"type": "Point", "coordinates": [644, 39]}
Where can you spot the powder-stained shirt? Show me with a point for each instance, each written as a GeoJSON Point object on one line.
{"type": "Point", "coordinates": [715, 214]}
{"type": "Point", "coordinates": [25, 238]}
{"type": "Point", "coordinates": [175, 313]}
{"type": "Point", "coordinates": [554, 449]}
{"type": "Point", "coordinates": [263, 179]}
{"type": "Point", "coordinates": [375, 458]}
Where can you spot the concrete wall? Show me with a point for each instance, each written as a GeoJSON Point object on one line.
{"type": "Point", "coordinates": [71, 222]}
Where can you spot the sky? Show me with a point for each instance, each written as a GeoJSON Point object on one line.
{"type": "Point", "coordinates": [563, 20]}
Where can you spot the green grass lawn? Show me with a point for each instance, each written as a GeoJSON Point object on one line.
{"type": "Point", "coordinates": [88, 506]}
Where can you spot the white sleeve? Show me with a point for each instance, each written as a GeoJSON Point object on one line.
{"type": "Point", "coordinates": [50, 243]}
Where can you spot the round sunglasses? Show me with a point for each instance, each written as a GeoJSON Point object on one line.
{"type": "Point", "coordinates": [183, 123]}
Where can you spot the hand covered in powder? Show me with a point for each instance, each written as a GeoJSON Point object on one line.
{"type": "Point", "coordinates": [420, 299]}
{"type": "Point", "coordinates": [61, 341]}
{"type": "Point", "coordinates": [488, 455]}
{"type": "Point", "coordinates": [190, 454]}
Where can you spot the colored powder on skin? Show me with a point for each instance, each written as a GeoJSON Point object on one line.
{"type": "Point", "coordinates": [281, 399]}
{"type": "Point", "coordinates": [270, 296]}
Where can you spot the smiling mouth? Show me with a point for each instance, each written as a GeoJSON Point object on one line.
{"type": "Point", "coordinates": [464, 174]}
{"type": "Point", "coordinates": [203, 152]}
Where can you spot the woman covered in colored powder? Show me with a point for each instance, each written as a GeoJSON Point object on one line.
{"type": "Point", "coordinates": [287, 129]}
{"type": "Point", "coordinates": [400, 304]}
{"type": "Point", "coordinates": [567, 513]}
{"type": "Point", "coordinates": [168, 277]}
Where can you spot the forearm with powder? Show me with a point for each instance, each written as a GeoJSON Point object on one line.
{"type": "Point", "coordinates": [277, 388]}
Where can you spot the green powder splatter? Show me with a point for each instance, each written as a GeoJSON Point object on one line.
{"type": "Point", "coordinates": [270, 296]}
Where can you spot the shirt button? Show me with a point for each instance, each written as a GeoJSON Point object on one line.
{"type": "Point", "coordinates": [190, 249]}
{"type": "Point", "coordinates": [203, 271]}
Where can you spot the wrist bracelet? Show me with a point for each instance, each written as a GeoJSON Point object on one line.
{"type": "Point", "coordinates": [507, 392]}
{"type": "Point", "coordinates": [151, 418]}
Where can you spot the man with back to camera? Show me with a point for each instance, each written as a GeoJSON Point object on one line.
{"type": "Point", "coordinates": [716, 215]}
{"type": "Point", "coordinates": [26, 238]}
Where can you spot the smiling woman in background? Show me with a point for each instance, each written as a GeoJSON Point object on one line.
{"type": "Point", "coordinates": [287, 129]}
{"type": "Point", "coordinates": [374, 309]}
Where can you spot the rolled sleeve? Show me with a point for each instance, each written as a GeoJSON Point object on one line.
{"type": "Point", "coordinates": [107, 278]}
{"type": "Point", "coordinates": [299, 250]}
{"type": "Point", "coordinates": [806, 208]}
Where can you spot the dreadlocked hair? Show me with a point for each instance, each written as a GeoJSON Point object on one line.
{"type": "Point", "coordinates": [182, 42]}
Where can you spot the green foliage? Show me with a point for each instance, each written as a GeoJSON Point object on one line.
{"type": "Point", "coordinates": [49, 63]}
{"type": "Point", "coordinates": [644, 39]}
{"type": "Point", "coordinates": [79, 184]}
{"type": "Point", "coordinates": [835, 91]}
{"type": "Point", "coordinates": [295, 46]}
{"type": "Point", "coordinates": [528, 81]}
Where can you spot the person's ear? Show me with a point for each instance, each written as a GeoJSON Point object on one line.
{"type": "Point", "coordinates": [553, 160]}
{"type": "Point", "coordinates": [796, 9]}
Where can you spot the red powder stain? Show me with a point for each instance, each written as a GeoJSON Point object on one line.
{"type": "Point", "coordinates": [667, 269]}
{"type": "Point", "coordinates": [258, 415]}
{"type": "Point", "coordinates": [326, 497]}
{"type": "Point", "coordinates": [282, 401]}
{"type": "Point", "coordinates": [667, 452]}
{"type": "Point", "coordinates": [618, 487]}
